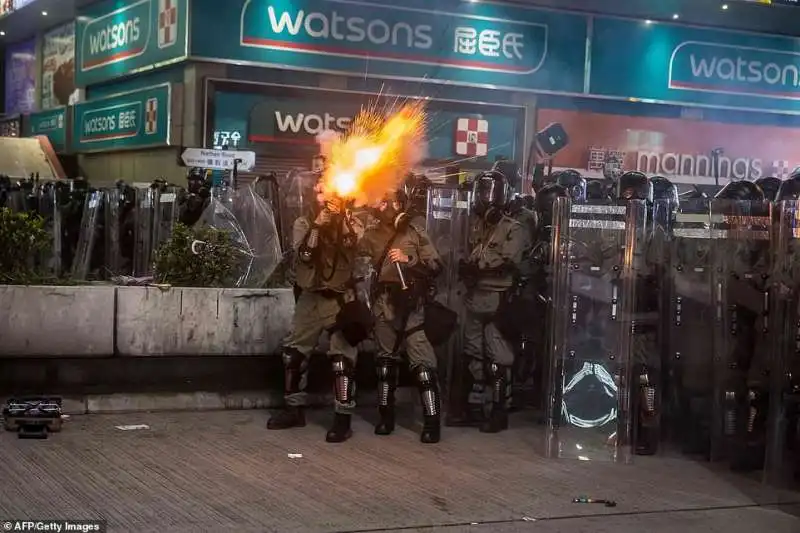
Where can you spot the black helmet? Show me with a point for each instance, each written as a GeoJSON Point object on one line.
{"type": "Point", "coordinates": [545, 199]}
{"type": "Point", "coordinates": [663, 189]}
{"type": "Point", "coordinates": [741, 191]}
{"type": "Point", "coordinates": [509, 170]}
{"type": "Point", "coordinates": [789, 190]}
{"type": "Point", "coordinates": [490, 190]}
{"type": "Point", "coordinates": [634, 186]}
{"type": "Point", "coordinates": [574, 184]}
{"type": "Point", "coordinates": [770, 187]}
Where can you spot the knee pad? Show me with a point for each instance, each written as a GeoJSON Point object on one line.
{"type": "Point", "coordinates": [344, 384]}
{"type": "Point", "coordinates": [293, 359]}
{"type": "Point", "coordinates": [387, 381]}
{"type": "Point", "coordinates": [386, 369]}
{"type": "Point", "coordinates": [429, 390]}
{"type": "Point", "coordinates": [500, 379]}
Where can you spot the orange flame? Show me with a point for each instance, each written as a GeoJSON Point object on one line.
{"type": "Point", "coordinates": [376, 154]}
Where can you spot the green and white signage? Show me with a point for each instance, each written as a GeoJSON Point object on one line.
{"type": "Point", "coordinates": [52, 124]}
{"type": "Point", "coordinates": [137, 119]}
{"type": "Point", "coordinates": [119, 37]}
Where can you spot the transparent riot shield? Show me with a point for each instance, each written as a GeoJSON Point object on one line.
{"type": "Point", "coordinates": [782, 463]}
{"type": "Point", "coordinates": [87, 238]}
{"type": "Point", "coordinates": [113, 223]}
{"type": "Point", "coordinates": [447, 224]}
{"type": "Point", "coordinates": [48, 210]}
{"type": "Point", "coordinates": [649, 331]}
{"type": "Point", "coordinates": [165, 214]}
{"type": "Point", "coordinates": [742, 261]}
{"type": "Point", "coordinates": [143, 231]}
{"type": "Point", "coordinates": [689, 322]}
{"type": "Point", "coordinates": [597, 248]}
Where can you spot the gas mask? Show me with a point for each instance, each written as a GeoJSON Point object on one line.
{"type": "Point", "coordinates": [391, 211]}
{"type": "Point", "coordinates": [490, 193]}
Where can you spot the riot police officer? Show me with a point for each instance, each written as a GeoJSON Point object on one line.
{"type": "Point", "coordinates": [405, 263]}
{"type": "Point", "coordinates": [324, 241]}
{"type": "Point", "coordinates": [574, 184]}
{"type": "Point", "coordinates": [498, 245]}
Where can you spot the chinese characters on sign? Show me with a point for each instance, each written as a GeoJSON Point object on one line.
{"type": "Point", "coordinates": [226, 139]}
{"type": "Point", "coordinates": [488, 43]}
{"type": "Point", "coordinates": [605, 160]}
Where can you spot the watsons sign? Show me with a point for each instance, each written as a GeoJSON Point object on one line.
{"type": "Point", "coordinates": [735, 70]}
{"type": "Point", "coordinates": [395, 34]}
{"type": "Point", "coordinates": [116, 38]}
{"type": "Point", "coordinates": [471, 43]}
{"type": "Point", "coordinates": [309, 123]}
{"type": "Point", "coordinates": [132, 120]}
{"type": "Point", "coordinates": [289, 125]}
{"type": "Point", "coordinates": [672, 63]}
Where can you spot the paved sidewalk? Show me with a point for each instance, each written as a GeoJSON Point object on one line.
{"type": "Point", "coordinates": [223, 471]}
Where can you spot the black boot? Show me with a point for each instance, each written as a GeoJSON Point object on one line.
{"type": "Point", "coordinates": [387, 383]}
{"type": "Point", "coordinates": [428, 383]}
{"type": "Point", "coordinates": [294, 372]}
{"type": "Point", "coordinates": [465, 413]}
{"type": "Point", "coordinates": [343, 390]}
{"type": "Point", "coordinates": [290, 417]}
{"type": "Point", "coordinates": [340, 430]}
{"type": "Point", "coordinates": [500, 381]}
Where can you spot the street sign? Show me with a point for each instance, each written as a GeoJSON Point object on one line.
{"type": "Point", "coordinates": [218, 159]}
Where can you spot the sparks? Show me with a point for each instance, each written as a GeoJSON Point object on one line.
{"type": "Point", "coordinates": [375, 154]}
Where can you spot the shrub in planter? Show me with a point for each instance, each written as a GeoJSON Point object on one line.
{"type": "Point", "coordinates": [214, 264]}
{"type": "Point", "coordinates": [23, 239]}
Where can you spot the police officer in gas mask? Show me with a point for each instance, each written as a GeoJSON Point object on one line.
{"type": "Point", "coordinates": [574, 184]}
{"type": "Point", "coordinates": [416, 190]}
{"type": "Point", "coordinates": [498, 245]}
{"type": "Point", "coordinates": [405, 263]}
{"type": "Point", "coordinates": [325, 241]}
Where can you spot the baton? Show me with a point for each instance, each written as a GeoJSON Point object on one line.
{"type": "Point", "coordinates": [401, 276]}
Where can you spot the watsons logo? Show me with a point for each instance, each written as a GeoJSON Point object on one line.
{"type": "Point", "coordinates": [700, 165]}
{"type": "Point", "coordinates": [116, 36]}
{"type": "Point", "coordinates": [117, 122]}
{"type": "Point", "coordinates": [395, 34]}
{"type": "Point", "coordinates": [735, 70]}
{"type": "Point", "coordinates": [309, 123]}
{"type": "Point", "coordinates": [350, 29]}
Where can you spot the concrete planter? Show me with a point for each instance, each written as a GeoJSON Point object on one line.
{"type": "Point", "coordinates": [190, 321]}
{"type": "Point", "coordinates": [59, 321]}
{"type": "Point", "coordinates": [100, 321]}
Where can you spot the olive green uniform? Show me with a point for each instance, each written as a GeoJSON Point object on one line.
{"type": "Point", "coordinates": [399, 316]}
{"type": "Point", "coordinates": [414, 242]}
{"type": "Point", "coordinates": [325, 283]}
{"type": "Point", "coordinates": [493, 246]}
